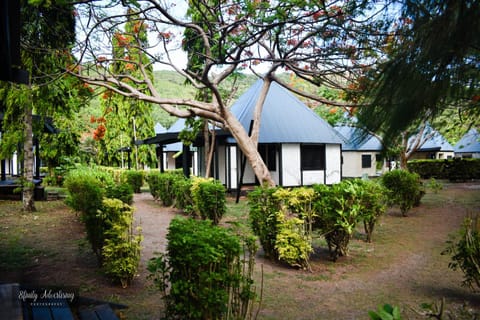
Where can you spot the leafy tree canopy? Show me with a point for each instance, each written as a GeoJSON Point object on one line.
{"type": "Point", "coordinates": [431, 66]}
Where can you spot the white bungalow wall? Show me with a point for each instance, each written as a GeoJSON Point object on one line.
{"type": "Point", "coordinates": [432, 155]}
{"type": "Point", "coordinates": [291, 172]}
{"type": "Point", "coordinates": [352, 165]}
{"type": "Point", "coordinates": [333, 163]}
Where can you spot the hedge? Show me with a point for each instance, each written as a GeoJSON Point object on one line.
{"type": "Point", "coordinates": [457, 169]}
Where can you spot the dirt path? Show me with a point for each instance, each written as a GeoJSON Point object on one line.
{"type": "Point", "coordinates": [154, 220]}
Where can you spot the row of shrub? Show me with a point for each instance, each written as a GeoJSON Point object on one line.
{"type": "Point", "coordinates": [105, 210]}
{"type": "Point", "coordinates": [200, 197]}
{"type": "Point", "coordinates": [286, 220]}
{"type": "Point", "coordinates": [456, 169]}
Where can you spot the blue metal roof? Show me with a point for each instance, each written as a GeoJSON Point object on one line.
{"type": "Point", "coordinates": [159, 128]}
{"type": "Point", "coordinates": [436, 143]}
{"type": "Point", "coordinates": [469, 143]}
{"type": "Point", "coordinates": [356, 139]}
{"type": "Point", "coordinates": [284, 118]}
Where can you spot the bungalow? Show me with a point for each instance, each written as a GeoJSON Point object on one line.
{"type": "Point", "coordinates": [435, 146]}
{"type": "Point", "coordinates": [298, 146]}
{"type": "Point", "coordinates": [469, 145]}
{"type": "Point", "coordinates": [361, 153]}
{"type": "Point", "coordinates": [170, 152]}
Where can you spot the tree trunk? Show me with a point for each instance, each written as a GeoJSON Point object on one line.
{"type": "Point", "coordinates": [257, 116]}
{"type": "Point", "coordinates": [249, 148]}
{"type": "Point", "coordinates": [28, 185]}
{"type": "Point", "coordinates": [209, 137]}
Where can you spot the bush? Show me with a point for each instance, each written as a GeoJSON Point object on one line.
{"type": "Point", "coordinates": [457, 169]}
{"type": "Point", "coordinates": [183, 195]}
{"type": "Point", "coordinates": [209, 198]}
{"type": "Point", "coordinates": [262, 218]}
{"type": "Point", "coordinates": [372, 200]}
{"type": "Point", "coordinates": [161, 186]}
{"type": "Point", "coordinates": [85, 194]}
{"type": "Point", "coordinates": [121, 250]}
{"type": "Point", "coordinates": [338, 210]}
{"type": "Point", "coordinates": [202, 276]}
{"type": "Point", "coordinates": [122, 192]}
{"type": "Point", "coordinates": [135, 179]}
{"type": "Point", "coordinates": [465, 251]}
{"type": "Point", "coordinates": [404, 189]}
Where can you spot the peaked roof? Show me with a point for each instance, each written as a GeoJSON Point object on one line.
{"type": "Point", "coordinates": [355, 139]}
{"type": "Point", "coordinates": [469, 143]}
{"type": "Point", "coordinates": [284, 119]}
{"type": "Point", "coordinates": [158, 128]}
{"type": "Point", "coordinates": [435, 143]}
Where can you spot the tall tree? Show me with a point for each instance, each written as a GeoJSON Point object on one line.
{"type": "Point", "coordinates": [125, 119]}
{"type": "Point", "coordinates": [46, 35]}
{"type": "Point", "coordinates": [431, 63]}
{"type": "Point", "coordinates": [324, 43]}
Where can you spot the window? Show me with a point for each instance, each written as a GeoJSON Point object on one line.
{"type": "Point", "coordinates": [366, 161]}
{"type": "Point", "coordinates": [312, 157]}
{"type": "Point", "coordinates": [268, 152]}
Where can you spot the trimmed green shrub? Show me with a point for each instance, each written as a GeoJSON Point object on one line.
{"type": "Point", "coordinates": [85, 194]}
{"type": "Point", "coordinates": [209, 198]}
{"type": "Point", "coordinates": [121, 191]}
{"type": "Point", "coordinates": [456, 169]}
{"type": "Point", "coordinates": [338, 210]}
{"type": "Point", "coordinates": [161, 186]}
{"type": "Point", "coordinates": [373, 204]}
{"type": "Point", "coordinates": [293, 241]}
{"type": "Point", "coordinates": [262, 218]}
{"type": "Point", "coordinates": [121, 250]}
{"type": "Point", "coordinates": [403, 189]}
{"type": "Point", "coordinates": [134, 178]}
{"type": "Point", "coordinates": [183, 195]}
{"type": "Point", "coordinates": [203, 276]}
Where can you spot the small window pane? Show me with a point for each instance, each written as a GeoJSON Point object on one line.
{"type": "Point", "coordinates": [366, 161]}
{"type": "Point", "coordinates": [313, 157]}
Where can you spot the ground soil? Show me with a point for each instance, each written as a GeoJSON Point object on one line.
{"type": "Point", "coordinates": [403, 266]}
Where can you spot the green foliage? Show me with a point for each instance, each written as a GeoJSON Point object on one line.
{"type": "Point", "coordinates": [457, 169]}
{"type": "Point", "coordinates": [465, 251]}
{"type": "Point", "coordinates": [293, 243]}
{"type": "Point", "coordinates": [161, 186]}
{"type": "Point", "coordinates": [339, 212]}
{"type": "Point", "coordinates": [183, 195]}
{"type": "Point", "coordinates": [386, 312]}
{"type": "Point", "coordinates": [414, 82]}
{"type": "Point", "coordinates": [85, 194]}
{"type": "Point", "coordinates": [262, 218]}
{"type": "Point", "coordinates": [434, 185]}
{"type": "Point", "coordinates": [203, 276]}
{"type": "Point", "coordinates": [209, 199]}
{"type": "Point", "coordinates": [85, 191]}
{"type": "Point", "coordinates": [284, 219]}
{"type": "Point", "coordinates": [121, 249]}
{"type": "Point", "coordinates": [135, 179]}
{"type": "Point", "coordinates": [372, 199]}
{"type": "Point", "coordinates": [404, 189]}
{"type": "Point", "coordinates": [121, 191]}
